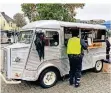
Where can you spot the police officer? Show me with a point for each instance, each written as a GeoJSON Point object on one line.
{"type": "Point", "coordinates": [74, 50]}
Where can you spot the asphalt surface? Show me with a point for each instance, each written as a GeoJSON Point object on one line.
{"type": "Point", "coordinates": [90, 83]}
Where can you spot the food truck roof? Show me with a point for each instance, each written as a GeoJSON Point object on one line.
{"type": "Point", "coordinates": [54, 24]}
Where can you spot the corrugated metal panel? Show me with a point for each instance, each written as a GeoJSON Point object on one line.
{"type": "Point", "coordinates": [33, 60]}
{"type": "Point", "coordinates": [18, 67]}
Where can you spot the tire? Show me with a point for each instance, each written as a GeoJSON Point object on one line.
{"type": "Point", "coordinates": [48, 78]}
{"type": "Point", "coordinates": [98, 66]}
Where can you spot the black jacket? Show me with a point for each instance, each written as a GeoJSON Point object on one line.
{"type": "Point", "coordinates": [107, 45]}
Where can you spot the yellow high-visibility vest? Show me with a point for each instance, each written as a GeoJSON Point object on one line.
{"type": "Point", "coordinates": [74, 46]}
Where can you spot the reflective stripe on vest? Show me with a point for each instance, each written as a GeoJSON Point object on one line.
{"type": "Point", "coordinates": [74, 46]}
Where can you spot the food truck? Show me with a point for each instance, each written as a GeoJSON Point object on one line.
{"type": "Point", "coordinates": [22, 60]}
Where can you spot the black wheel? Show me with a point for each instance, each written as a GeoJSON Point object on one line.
{"type": "Point", "coordinates": [98, 66]}
{"type": "Point", "coordinates": [48, 78]}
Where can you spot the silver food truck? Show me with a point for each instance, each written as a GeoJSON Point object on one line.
{"type": "Point", "coordinates": [22, 60]}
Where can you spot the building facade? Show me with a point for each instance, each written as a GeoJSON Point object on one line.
{"type": "Point", "coordinates": [7, 23]}
{"type": "Point", "coordinates": [8, 28]}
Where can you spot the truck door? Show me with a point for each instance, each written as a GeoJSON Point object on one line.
{"type": "Point", "coordinates": [45, 50]}
{"type": "Point", "coordinates": [88, 54]}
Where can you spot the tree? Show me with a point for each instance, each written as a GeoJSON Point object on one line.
{"type": "Point", "coordinates": [29, 11]}
{"type": "Point", "coordinates": [64, 12]}
{"type": "Point", "coordinates": [71, 8]}
{"type": "Point", "coordinates": [52, 11]}
{"type": "Point", "coordinates": [19, 20]}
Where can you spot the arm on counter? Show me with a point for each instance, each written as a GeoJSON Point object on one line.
{"type": "Point", "coordinates": [83, 44]}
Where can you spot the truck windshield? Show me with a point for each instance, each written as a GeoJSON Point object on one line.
{"type": "Point", "coordinates": [25, 37]}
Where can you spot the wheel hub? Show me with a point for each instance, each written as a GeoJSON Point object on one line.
{"type": "Point", "coordinates": [99, 65]}
{"type": "Point", "coordinates": [49, 78]}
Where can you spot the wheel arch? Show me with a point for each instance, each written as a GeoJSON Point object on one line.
{"type": "Point", "coordinates": [41, 69]}
{"type": "Point", "coordinates": [51, 67]}
{"type": "Point", "coordinates": [95, 59]}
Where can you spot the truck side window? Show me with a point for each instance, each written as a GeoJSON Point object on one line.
{"type": "Point", "coordinates": [51, 38]}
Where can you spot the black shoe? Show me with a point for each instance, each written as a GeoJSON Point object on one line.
{"type": "Point", "coordinates": [77, 85]}
{"type": "Point", "coordinates": [71, 83]}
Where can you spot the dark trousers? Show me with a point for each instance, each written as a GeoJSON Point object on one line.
{"type": "Point", "coordinates": [41, 53]}
{"type": "Point", "coordinates": [107, 53]}
{"type": "Point", "coordinates": [75, 69]}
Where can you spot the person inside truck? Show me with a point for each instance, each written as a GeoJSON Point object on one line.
{"type": "Point", "coordinates": [40, 44]}
{"type": "Point", "coordinates": [56, 39]}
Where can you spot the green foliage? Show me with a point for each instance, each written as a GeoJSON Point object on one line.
{"type": "Point", "coordinates": [63, 12]}
{"type": "Point", "coordinates": [52, 11]}
{"type": "Point", "coordinates": [28, 10]}
{"type": "Point", "coordinates": [71, 8]}
{"type": "Point", "coordinates": [19, 20]}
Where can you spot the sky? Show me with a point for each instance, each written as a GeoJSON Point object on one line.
{"type": "Point", "coordinates": [95, 11]}
{"type": "Point", "coordinates": [89, 12]}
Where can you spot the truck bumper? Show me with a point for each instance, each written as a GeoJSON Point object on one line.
{"type": "Point", "coordinates": [9, 81]}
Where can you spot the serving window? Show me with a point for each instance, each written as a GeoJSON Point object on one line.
{"type": "Point", "coordinates": [99, 36]}
{"type": "Point", "coordinates": [96, 36]}
{"type": "Point", "coordinates": [85, 34]}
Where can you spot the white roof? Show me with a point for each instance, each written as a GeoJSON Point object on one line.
{"type": "Point", "coordinates": [54, 24]}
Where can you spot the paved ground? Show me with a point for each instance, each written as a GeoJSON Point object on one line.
{"type": "Point", "coordinates": [90, 83]}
